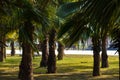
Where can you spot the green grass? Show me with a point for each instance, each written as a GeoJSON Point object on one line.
{"type": "Point", "coordinates": [72, 67]}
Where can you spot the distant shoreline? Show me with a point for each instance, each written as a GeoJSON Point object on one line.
{"type": "Point", "coordinates": [81, 52]}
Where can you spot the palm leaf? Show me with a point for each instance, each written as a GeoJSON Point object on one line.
{"type": "Point", "coordinates": [68, 8]}
{"type": "Point", "coordinates": [74, 28]}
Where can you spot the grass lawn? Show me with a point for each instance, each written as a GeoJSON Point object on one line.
{"type": "Point", "coordinates": [73, 67]}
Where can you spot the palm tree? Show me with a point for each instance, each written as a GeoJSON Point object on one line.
{"type": "Point", "coordinates": [2, 43]}
{"type": "Point", "coordinates": [99, 15]}
{"type": "Point", "coordinates": [44, 41]}
{"type": "Point", "coordinates": [105, 14]}
{"type": "Point", "coordinates": [26, 71]}
{"type": "Point", "coordinates": [80, 29]}
{"type": "Point", "coordinates": [51, 68]}
{"type": "Point", "coordinates": [3, 19]}
{"type": "Point", "coordinates": [26, 15]}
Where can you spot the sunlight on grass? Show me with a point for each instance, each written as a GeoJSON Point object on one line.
{"type": "Point", "coordinates": [72, 67]}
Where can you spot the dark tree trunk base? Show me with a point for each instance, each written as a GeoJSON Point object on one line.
{"type": "Point", "coordinates": [12, 49]}
{"type": "Point", "coordinates": [43, 63]}
{"type": "Point", "coordinates": [104, 61]}
{"type": "Point", "coordinates": [51, 64]}
{"type": "Point", "coordinates": [60, 51]}
{"type": "Point", "coordinates": [96, 67]}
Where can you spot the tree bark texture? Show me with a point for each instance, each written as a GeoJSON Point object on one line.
{"type": "Point", "coordinates": [104, 55]}
{"type": "Point", "coordinates": [4, 52]}
{"type": "Point", "coordinates": [45, 50]}
{"type": "Point", "coordinates": [12, 48]}
{"type": "Point", "coordinates": [2, 48]}
{"type": "Point", "coordinates": [26, 68]}
{"type": "Point", "coordinates": [1, 54]}
{"type": "Point", "coordinates": [52, 57]}
{"type": "Point", "coordinates": [96, 56]}
{"type": "Point", "coordinates": [60, 51]}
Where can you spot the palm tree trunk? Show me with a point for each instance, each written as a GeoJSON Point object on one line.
{"type": "Point", "coordinates": [12, 48]}
{"type": "Point", "coordinates": [5, 52]}
{"type": "Point", "coordinates": [51, 57]}
{"type": "Point", "coordinates": [26, 68]}
{"type": "Point", "coordinates": [96, 56]}
{"type": "Point", "coordinates": [60, 51]}
{"type": "Point", "coordinates": [1, 53]}
{"type": "Point", "coordinates": [119, 52]}
{"type": "Point", "coordinates": [104, 55]}
{"type": "Point", "coordinates": [44, 45]}
{"type": "Point", "coordinates": [2, 49]}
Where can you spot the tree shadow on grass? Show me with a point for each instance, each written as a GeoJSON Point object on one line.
{"type": "Point", "coordinates": [114, 72]}
{"type": "Point", "coordinates": [68, 69]}
{"type": "Point", "coordinates": [63, 76]}
{"type": "Point", "coordinates": [74, 76]}
{"type": "Point", "coordinates": [8, 75]}
{"type": "Point", "coordinates": [70, 73]}
{"type": "Point", "coordinates": [110, 74]}
{"type": "Point", "coordinates": [111, 71]}
{"type": "Point", "coordinates": [64, 69]}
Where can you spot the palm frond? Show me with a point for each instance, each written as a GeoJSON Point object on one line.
{"type": "Point", "coordinates": [68, 8]}
{"type": "Point", "coordinates": [102, 11]}
{"type": "Point", "coordinates": [115, 34]}
{"type": "Point", "coordinates": [75, 27]}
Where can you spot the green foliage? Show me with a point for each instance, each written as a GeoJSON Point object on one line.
{"type": "Point", "coordinates": [75, 28]}
{"type": "Point", "coordinates": [68, 9]}
{"type": "Point", "coordinates": [101, 17]}
{"type": "Point", "coordinates": [115, 34]}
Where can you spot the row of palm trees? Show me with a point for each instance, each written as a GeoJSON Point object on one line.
{"type": "Point", "coordinates": [95, 19]}
{"type": "Point", "coordinates": [85, 18]}
{"type": "Point", "coordinates": [26, 16]}
{"type": "Point", "coordinates": [23, 16]}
